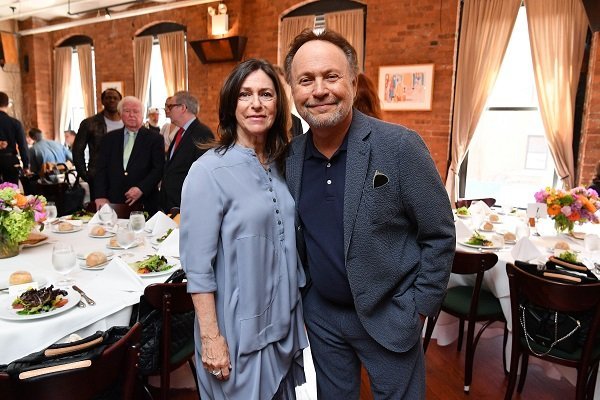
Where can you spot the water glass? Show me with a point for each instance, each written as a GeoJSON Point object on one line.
{"type": "Point", "coordinates": [125, 238]}
{"type": "Point", "coordinates": [51, 211]}
{"type": "Point", "coordinates": [63, 261]}
{"type": "Point", "coordinates": [137, 222]}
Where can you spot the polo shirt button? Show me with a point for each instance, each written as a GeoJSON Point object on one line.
{"type": "Point", "coordinates": [125, 173]}
{"type": "Point", "coordinates": [328, 164]}
{"type": "Point", "coordinates": [329, 181]}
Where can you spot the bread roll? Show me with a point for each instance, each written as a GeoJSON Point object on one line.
{"type": "Point", "coordinates": [494, 218]}
{"type": "Point", "coordinates": [509, 236]}
{"type": "Point", "coordinates": [20, 277]}
{"type": "Point", "coordinates": [562, 245]}
{"type": "Point", "coordinates": [98, 230]}
{"type": "Point", "coordinates": [95, 258]}
{"type": "Point", "coordinates": [65, 227]}
{"type": "Point", "coordinates": [113, 242]}
{"type": "Point", "coordinates": [488, 226]}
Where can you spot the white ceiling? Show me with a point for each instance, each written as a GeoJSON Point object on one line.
{"type": "Point", "coordinates": [49, 9]}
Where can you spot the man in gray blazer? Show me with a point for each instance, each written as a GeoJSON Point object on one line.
{"type": "Point", "coordinates": [374, 228]}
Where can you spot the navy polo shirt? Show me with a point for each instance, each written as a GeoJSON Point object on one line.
{"type": "Point", "coordinates": [321, 209]}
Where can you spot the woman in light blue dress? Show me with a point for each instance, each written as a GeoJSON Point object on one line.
{"type": "Point", "coordinates": [238, 247]}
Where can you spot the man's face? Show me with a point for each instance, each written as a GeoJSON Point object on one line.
{"type": "Point", "coordinates": [69, 138]}
{"type": "Point", "coordinates": [111, 100]}
{"type": "Point", "coordinates": [176, 111]}
{"type": "Point", "coordinates": [323, 85]}
{"type": "Point", "coordinates": [131, 114]}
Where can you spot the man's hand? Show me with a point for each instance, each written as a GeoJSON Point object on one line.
{"type": "Point", "coordinates": [133, 195]}
{"type": "Point", "coordinates": [3, 144]}
{"type": "Point", "coordinates": [100, 202]}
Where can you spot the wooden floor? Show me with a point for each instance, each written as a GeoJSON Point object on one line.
{"type": "Point", "coordinates": [445, 368]}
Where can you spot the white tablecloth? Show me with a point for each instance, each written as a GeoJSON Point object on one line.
{"type": "Point", "coordinates": [113, 305]}
{"type": "Point", "coordinates": [496, 281]}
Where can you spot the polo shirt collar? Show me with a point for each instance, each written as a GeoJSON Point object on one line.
{"type": "Point", "coordinates": [312, 152]}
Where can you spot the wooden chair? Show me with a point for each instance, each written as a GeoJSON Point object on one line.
{"type": "Point", "coordinates": [561, 297]}
{"type": "Point", "coordinates": [467, 202]}
{"type": "Point", "coordinates": [115, 367]}
{"type": "Point", "coordinates": [171, 299]}
{"type": "Point", "coordinates": [470, 303]}
{"type": "Point", "coordinates": [123, 210]}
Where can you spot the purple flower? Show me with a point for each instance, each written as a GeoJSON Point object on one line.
{"type": "Point", "coordinates": [5, 185]}
{"type": "Point", "coordinates": [566, 210]}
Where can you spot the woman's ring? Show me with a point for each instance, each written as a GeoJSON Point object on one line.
{"type": "Point", "coordinates": [216, 372]}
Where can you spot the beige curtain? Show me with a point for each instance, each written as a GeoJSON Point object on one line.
{"type": "Point", "coordinates": [172, 51]}
{"type": "Point", "coordinates": [351, 25]}
{"type": "Point", "coordinates": [84, 54]}
{"type": "Point", "coordinates": [142, 51]}
{"type": "Point", "coordinates": [557, 30]}
{"type": "Point", "coordinates": [288, 30]}
{"type": "Point", "coordinates": [484, 34]}
{"type": "Point", "coordinates": [62, 82]}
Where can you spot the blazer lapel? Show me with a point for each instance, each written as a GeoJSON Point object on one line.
{"type": "Point", "coordinates": [357, 163]}
{"type": "Point", "coordinates": [294, 165]}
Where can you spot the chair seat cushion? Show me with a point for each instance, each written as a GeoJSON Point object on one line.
{"type": "Point", "coordinates": [458, 301]}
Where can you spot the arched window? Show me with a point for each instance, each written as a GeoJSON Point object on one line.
{"type": "Point", "coordinates": [75, 82]}
{"type": "Point", "coordinates": [161, 64]}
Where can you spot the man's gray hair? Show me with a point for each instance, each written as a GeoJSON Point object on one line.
{"type": "Point", "coordinates": [190, 102]}
{"type": "Point", "coordinates": [129, 99]}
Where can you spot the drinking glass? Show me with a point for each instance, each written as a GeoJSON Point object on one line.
{"type": "Point", "coordinates": [51, 211]}
{"type": "Point", "coordinates": [63, 261]}
{"type": "Point", "coordinates": [125, 238]}
{"type": "Point", "coordinates": [137, 222]}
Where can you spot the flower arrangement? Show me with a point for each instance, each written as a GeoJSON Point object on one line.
{"type": "Point", "coordinates": [18, 216]}
{"type": "Point", "coordinates": [566, 207]}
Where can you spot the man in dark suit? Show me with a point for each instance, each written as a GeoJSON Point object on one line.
{"type": "Point", "coordinates": [91, 131]}
{"type": "Point", "coordinates": [183, 150]}
{"type": "Point", "coordinates": [375, 229]}
{"type": "Point", "coordinates": [130, 161]}
{"type": "Point", "coordinates": [12, 137]}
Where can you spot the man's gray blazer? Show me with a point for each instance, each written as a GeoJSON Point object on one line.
{"type": "Point", "coordinates": [399, 235]}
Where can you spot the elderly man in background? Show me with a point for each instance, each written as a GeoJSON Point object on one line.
{"type": "Point", "coordinates": [183, 150]}
{"type": "Point", "coordinates": [12, 137]}
{"type": "Point", "coordinates": [44, 151]}
{"type": "Point", "coordinates": [152, 120]}
{"type": "Point", "coordinates": [130, 162]}
{"type": "Point", "coordinates": [91, 131]}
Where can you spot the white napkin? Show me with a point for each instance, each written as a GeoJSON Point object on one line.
{"type": "Point", "coordinates": [170, 246]}
{"type": "Point", "coordinates": [96, 218]}
{"type": "Point", "coordinates": [525, 250]}
{"type": "Point", "coordinates": [119, 275]}
{"type": "Point", "coordinates": [479, 207]}
{"type": "Point", "coordinates": [462, 230]}
{"type": "Point", "coordinates": [159, 224]}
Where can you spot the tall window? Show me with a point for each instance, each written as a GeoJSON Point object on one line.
{"type": "Point", "coordinates": [508, 157]}
{"type": "Point", "coordinates": [76, 112]}
{"type": "Point", "coordinates": [157, 91]}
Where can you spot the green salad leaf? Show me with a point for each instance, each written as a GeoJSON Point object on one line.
{"type": "Point", "coordinates": [479, 240]}
{"type": "Point", "coordinates": [153, 263]}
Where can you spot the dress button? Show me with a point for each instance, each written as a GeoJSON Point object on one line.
{"type": "Point", "coordinates": [270, 189]}
{"type": "Point", "coordinates": [328, 164]}
{"type": "Point", "coordinates": [278, 222]}
{"type": "Point", "coordinates": [269, 169]}
{"type": "Point", "coordinates": [329, 181]}
{"type": "Point", "coordinates": [274, 200]}
{"type": "Point", "coordinates": [270, 180]}
{"type": "Point", "coordinates": [276, 211]}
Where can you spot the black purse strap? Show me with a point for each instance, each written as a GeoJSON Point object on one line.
{"type": "Point", "coordinates": [556, 341]}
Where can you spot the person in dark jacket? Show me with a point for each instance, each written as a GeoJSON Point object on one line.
{"type": "Point", "coordinates": [91, 131]}
{"type": "Point", "coordinates": [12, 137]}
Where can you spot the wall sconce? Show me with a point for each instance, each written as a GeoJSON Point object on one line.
{"type": "Point", "coordinates": [219, 19]}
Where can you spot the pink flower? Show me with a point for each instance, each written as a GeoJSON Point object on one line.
{"type": "Point", "coordinates": [566, 210]}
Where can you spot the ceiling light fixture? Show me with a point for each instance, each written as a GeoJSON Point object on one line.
{"type": "Point", "coordinates": [107, 14]}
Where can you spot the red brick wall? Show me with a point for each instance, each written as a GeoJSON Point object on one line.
{"type": "Point", "coordinates": [418, 31]}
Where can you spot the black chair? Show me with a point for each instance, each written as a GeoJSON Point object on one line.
{"type": "Point", "coordinates": [564, 298]}
{"type": "Point", "coordinates": [470, 303]}
{"type": "Point", "coordinates": [467, 202]}
{"type": "Point", "coordinates": [172, 299]}
{"type": "Point", "coordinates": [112, 371]}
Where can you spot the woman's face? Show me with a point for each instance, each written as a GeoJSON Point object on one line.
{"type": "Point", "coordinates": [256, 106]}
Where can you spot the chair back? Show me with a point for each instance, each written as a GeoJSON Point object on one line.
{"type": "Point", "coordinates": [473, 263]}
{"type": "Point", "coordinates": [122, 209]}
{"type": "Point", "coordinates": [84, 379]}
{"type": "Point", "coordinates": [467, 202]}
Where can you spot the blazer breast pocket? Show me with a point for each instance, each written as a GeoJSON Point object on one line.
{"type": "Point", "coordinates": [382, 201]}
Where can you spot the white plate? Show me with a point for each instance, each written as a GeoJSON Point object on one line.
{"type": "Point", "coordinates": [100, 267]}
{"type": "Point", "coordinates": [137, 243]}
{"type": "Point", "coordinates": [8, 313]}
{"type": "Point", "coordinates": [41, 281]}
{"type": "Point", "coordinates": [496, 222]}
{"type": "Point", "coordinates": [463, 216]}
{"type": "Point", "coordinates": [84, 220]}
{"type": "Point", "coordinates": [510, 241]}
{"type": "Point", "coordinates": [106, 235]}
{"type": "Point", "coordinates": [485, 230]}
{"type": "Point", "coordinates": [109, 254]}
{"type": "Point", "coordinates": [40, 243]}
{"type": "Point", "coordinates": [75, 229]}
{"type": "Point", "coordinates": [480, 247]}
{"type": "Point", "coordinates": [171, 261]}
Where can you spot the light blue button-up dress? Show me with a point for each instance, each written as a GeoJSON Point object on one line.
{"type": "Point", "coordinates": [237, 239]}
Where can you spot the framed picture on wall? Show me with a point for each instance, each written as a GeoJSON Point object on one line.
{"type": "Point", "coordinates": [113, 85]}
{"type": "Point", "coordinates": [406, 87]}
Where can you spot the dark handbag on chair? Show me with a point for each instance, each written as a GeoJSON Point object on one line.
{"type": "Point", "coordinates": [150, 318]}
{"type": "Point", "coordinates": [74, 194]}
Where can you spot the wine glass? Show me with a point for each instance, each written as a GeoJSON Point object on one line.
{"type": "Point", "coordinates": [105, 214]}
{"type": "Point", "coordinates": [137, 222]}
{"type": "Point", "coordinates": [125, 238]}
{"type": "Point", "coordinates": [63, 261]}
{"type": "Point", "coordinates": [51, 211]}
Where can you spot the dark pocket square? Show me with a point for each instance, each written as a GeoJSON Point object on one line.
{"type": "Point", "coordinates": [379, 179]}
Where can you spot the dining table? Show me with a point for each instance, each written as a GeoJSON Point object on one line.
{"type": "Point", "coordinates": [114, 288]}
{"type": "Point", "coordinates": [543, 237]}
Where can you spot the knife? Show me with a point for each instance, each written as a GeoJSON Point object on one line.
{"type": "Point", "coordinates": [85, 296]}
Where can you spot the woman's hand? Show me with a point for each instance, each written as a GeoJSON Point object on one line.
{"type": "Point", "coordinates": [215, 356]}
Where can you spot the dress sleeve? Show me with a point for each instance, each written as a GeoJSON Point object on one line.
{"type": "Point", "coordinates": [201, 217]}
